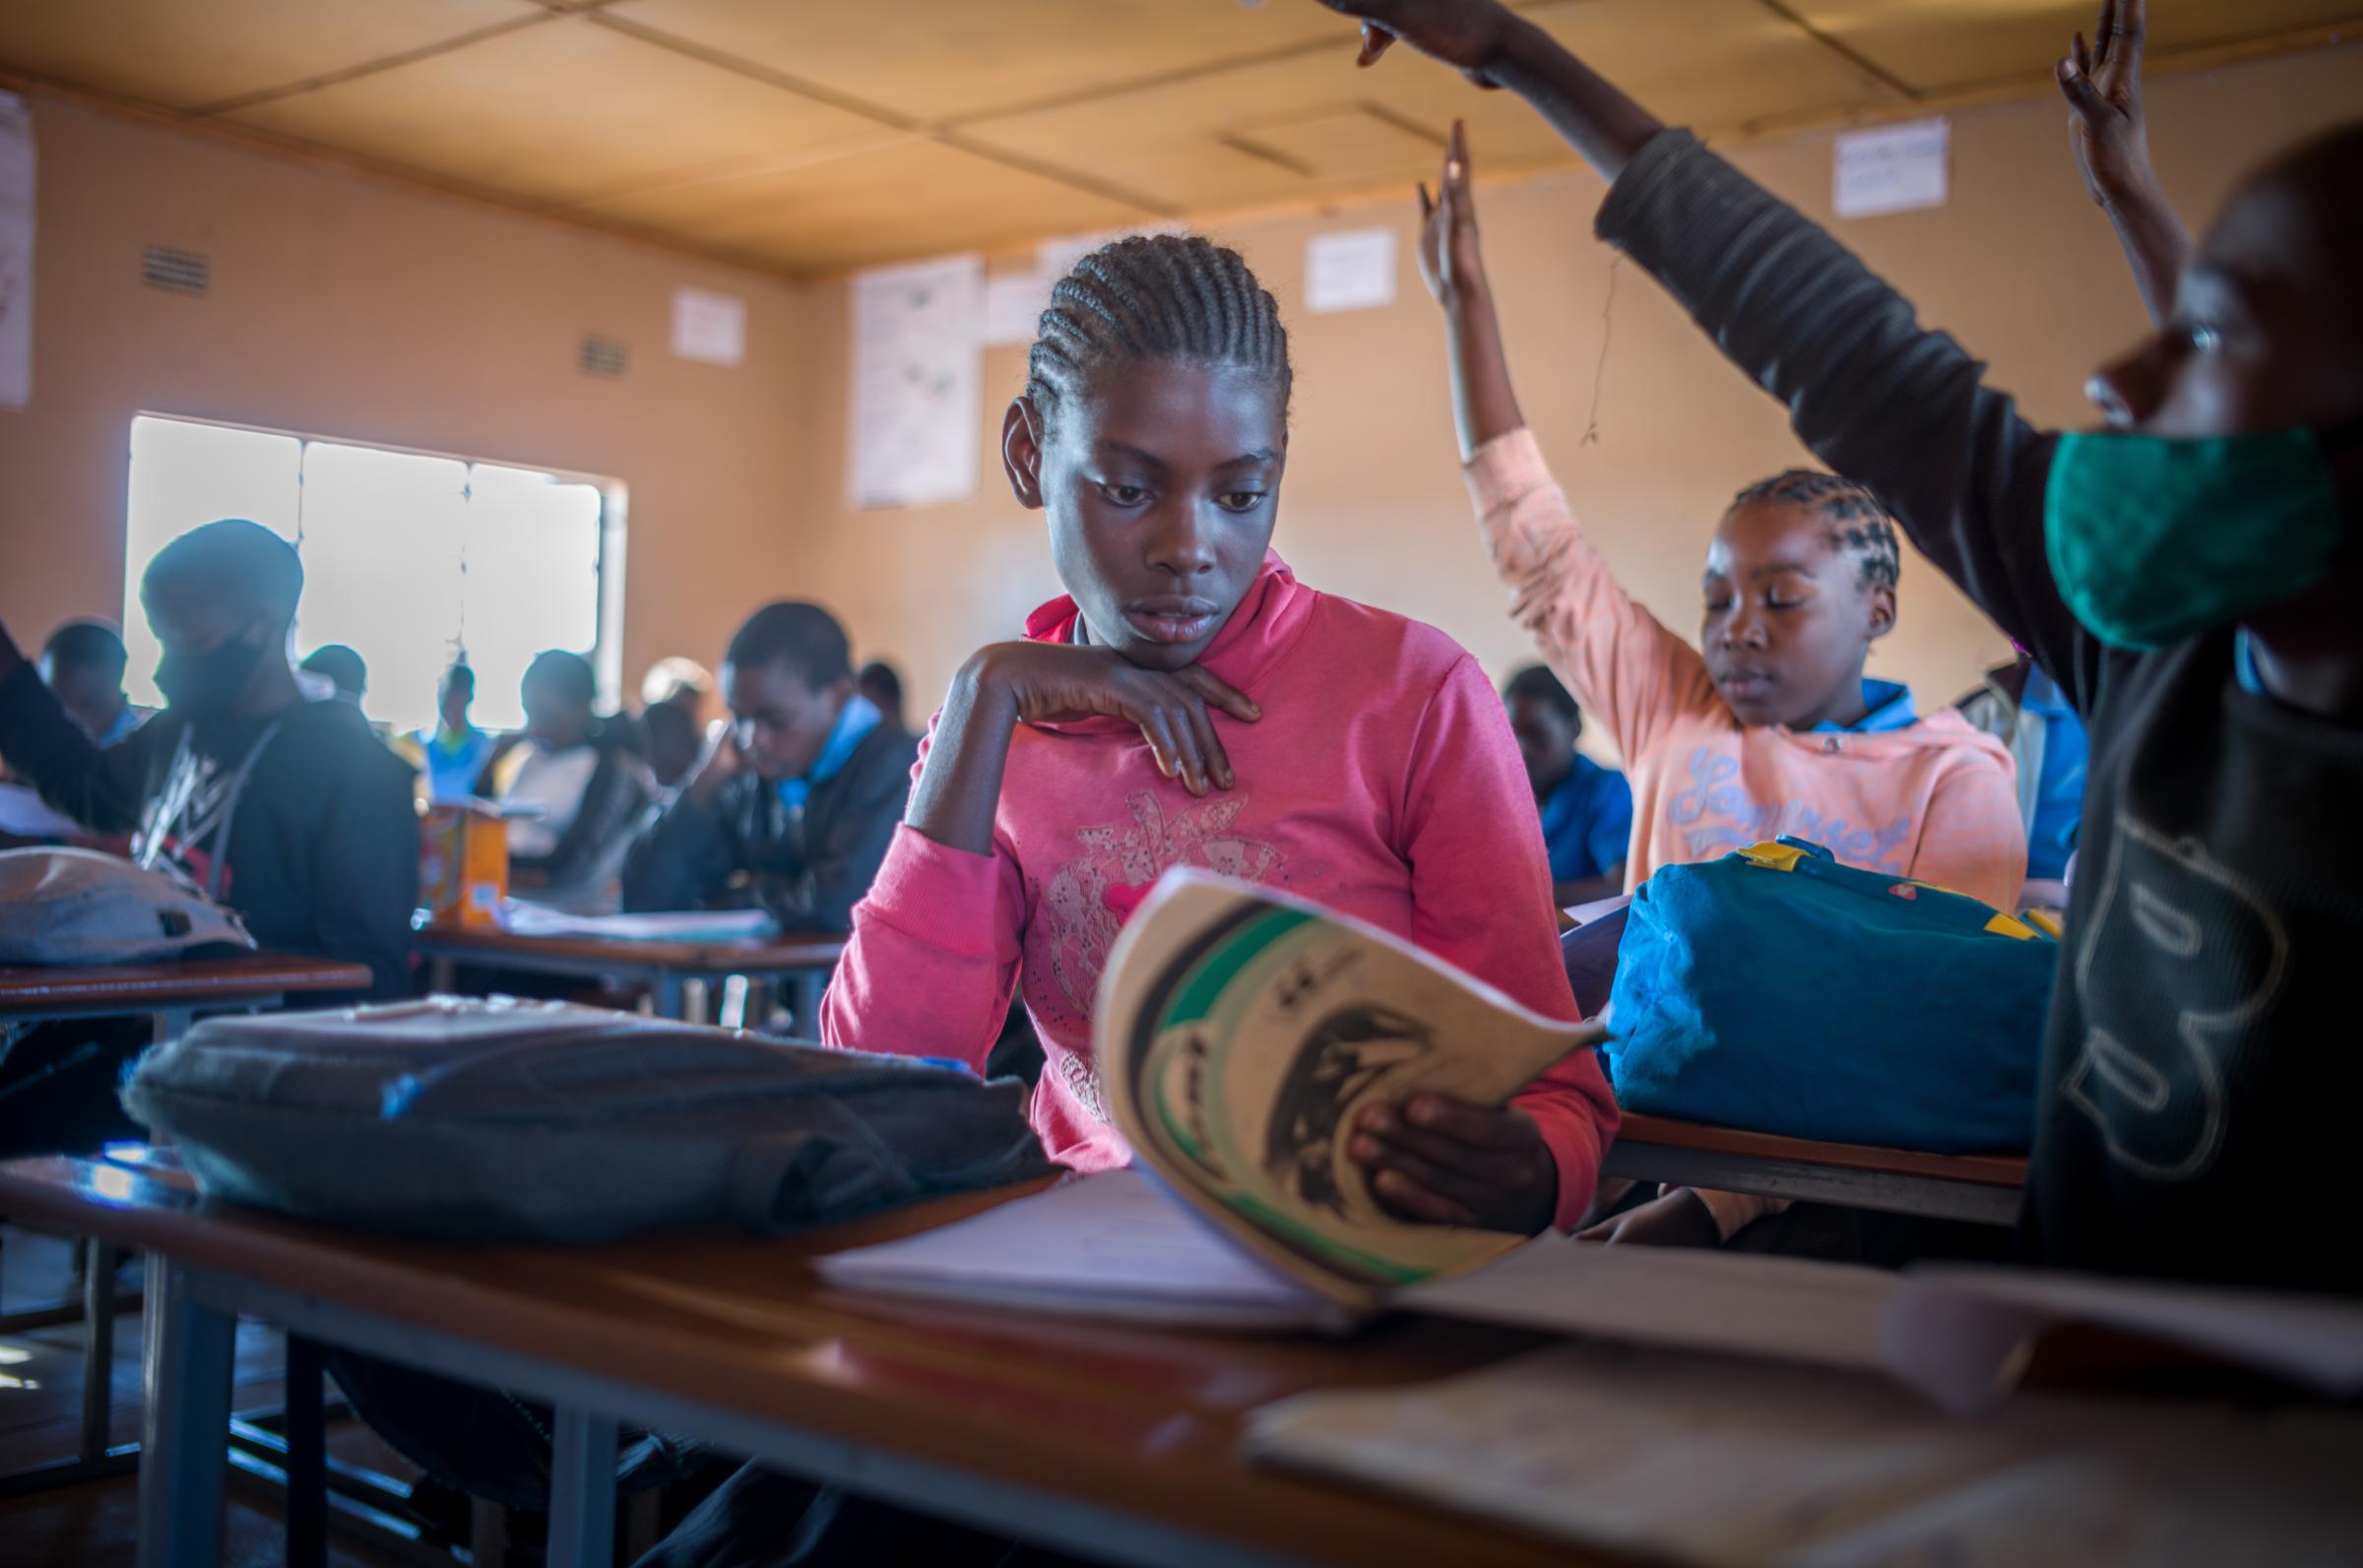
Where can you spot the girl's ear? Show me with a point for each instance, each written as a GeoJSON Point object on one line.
{"type": "Point", "coordinates": [1021, 452]}
{"type": "Point", "coordinates": [1882, 610]}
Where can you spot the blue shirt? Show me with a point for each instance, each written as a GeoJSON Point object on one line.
{"type": "Point", "coordinates": [453, 765]}
{"type": "Point", "coordinates": [854, 720]}
{"type": "Point", "coordinates": [2060, 787]}
{"type": "Point", "coordinates": [1891, 708]}
{"type": "Point", "coordinates": [1587, 821]}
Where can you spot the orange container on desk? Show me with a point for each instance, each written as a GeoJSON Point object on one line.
{"type": "Point", "coordinates": [463, 864]}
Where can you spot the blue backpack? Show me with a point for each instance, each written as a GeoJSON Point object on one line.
{"type": "Point", "coordinates": [1778, 990]}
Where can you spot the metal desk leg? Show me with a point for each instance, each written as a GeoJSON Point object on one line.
{"type": "Point", "coordinates": [442, 976]}
{"type": "Point", "coordinates": [582, 1491]}
{"type": "Point", "coordinates": [171, 1023]}
{"type": "Point", "coordinates": [97, 1347]}
{"type": "Point", "coordinates": [307, 1454]}
{"type": "Point", "coordinates": [804, 992]}
{"type": "Point", "coordinates": [669, 989]}
{"type": "Point", "coordinates": [184, 1422]}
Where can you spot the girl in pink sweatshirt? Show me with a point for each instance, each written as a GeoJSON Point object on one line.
{"type": "Point", "coordinates": [1190, 703]}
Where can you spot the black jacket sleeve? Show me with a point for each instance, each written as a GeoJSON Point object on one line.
{"type": "Point", "coordinates": [367, 879]}
{"type": "Point", "coordinates": [613, 801]}
{"type": "Point", "coordinates": [682, 857]}
{"type": "Point", "coordinates": [1901, 411]}
{"type": "Point", "coordinates": [847, 842]}
{"type": "Point", "coordinates": [104, 790]}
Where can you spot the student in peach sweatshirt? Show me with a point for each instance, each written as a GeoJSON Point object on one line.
{"type": "Point", "coordinates": [1190, 703]}
{"type": "Point", "coordinates": [1770, 726]}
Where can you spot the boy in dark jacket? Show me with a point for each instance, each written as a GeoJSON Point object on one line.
{"type": "Point", "coordinates": [288, 811]}
{"type": "Point", "coordinates": [793, 808]}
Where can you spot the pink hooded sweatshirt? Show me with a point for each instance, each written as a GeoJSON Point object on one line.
{"type": "Point", "coordinates": [1936, 800]}
{"type": "Point", "coordinates": [1382, 782]}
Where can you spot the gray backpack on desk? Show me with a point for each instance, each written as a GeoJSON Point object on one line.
{"type": "Point", "coordinates": [82, 906]}
{"type": "Point", "coordinates": [521, 1121]}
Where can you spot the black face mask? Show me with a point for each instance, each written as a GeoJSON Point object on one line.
{"type": "Point", "coordinates": [206, 686]}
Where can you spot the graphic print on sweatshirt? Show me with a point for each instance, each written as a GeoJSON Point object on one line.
{"type": "Point", "coordinates": [2180, 960]}
{"type": "Point", "coordinates": [187, 821]}
{"type": "Point", "coordinates": [1717, 815]}
{"type": "Point", "coordinates": [1088, 900]}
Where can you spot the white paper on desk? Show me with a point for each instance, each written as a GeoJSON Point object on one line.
{"type": "Point", "coordinates": [521, 919]}
{"type": "Point", "coordinates": [1704, 1461]}
{"type": "Point", "coordinates": [1892, 170]}
{"type": "Point", "coordinates": [1587, 913]}
{"type": "Point", "coordinates": [709, 326]}
{"type": "Point", "coordinates": [16, 251]}
{"type": "Point", "coordinates": [1783, 1309]}
{"type": "Point", "coordinates": [1352, 271]}
{"type": "Point", "coordinates": [914, 421]}
{"type": "Point", "coordinates": [1961, 1336]}
{"type": "Point", "coordinates": [25, 814]}
{"type": "Point", "coordinates": [1110, 1245]}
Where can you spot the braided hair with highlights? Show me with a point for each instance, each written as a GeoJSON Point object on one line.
{"type": "Point", "coordinates": [1856, 522]}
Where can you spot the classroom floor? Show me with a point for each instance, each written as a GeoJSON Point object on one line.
{"type": "Point", "coordinates": [92, 1524]}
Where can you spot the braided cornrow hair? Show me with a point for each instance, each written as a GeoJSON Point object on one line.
{"type": "Point", "coordinates": [1859, 523]}
{"type": "Point", "coordinates": [1150, 298]}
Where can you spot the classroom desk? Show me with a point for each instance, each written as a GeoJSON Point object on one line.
{"type": "Point", "coordinates": [1981, 1188]}
{"type": "Point", "coordinates": [802, 961]}
{"type": "Point", "coordinates": [171, 994]}
{"type": "Point", "coordinates": [1112, 1441]}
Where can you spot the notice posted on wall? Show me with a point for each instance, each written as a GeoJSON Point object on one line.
{"type": "Point", "coordinates": [15, 252]}
{"type": "Point", "coordinates": [916, 342]}
{"type": "Point", "coordinates": [1352, 271]}
{"type": "Point", "coordinates": [708, 327]}
{"type": "Point", "coordinates": [1892, 170]}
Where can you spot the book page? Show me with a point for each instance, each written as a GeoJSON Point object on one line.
{"type": "Point", "coordinates": [1238, 1035]}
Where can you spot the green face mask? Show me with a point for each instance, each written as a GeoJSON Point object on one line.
{"type": "Point", "coordinates": [2154, 540]}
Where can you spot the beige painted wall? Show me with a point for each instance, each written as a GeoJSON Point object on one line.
{"type": "Point", "coordinates": [344, 306]}
{"type": "Point", "coordinates": [2018, 265]}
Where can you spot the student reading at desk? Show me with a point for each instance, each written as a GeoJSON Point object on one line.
{"type": "Point", "coordinates": [1188, 702]}
{"type": "Point", "coordinates": [2190, 579]}
{"type": "Point", "coordinates": [288, 811]}
{"type": "Point", "coordinates": [586, 783]}
{"type": "Point", "coordinates": [795, 803]}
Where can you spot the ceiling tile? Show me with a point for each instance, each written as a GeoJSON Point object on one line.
{"type": "Point", "coordinates": [181, 54]}
{"type": "Point", "coordinates": [1934, 44]}
{"type": "Point", "coordinates": [941, 59]}
{"type": "Point", "coordinates": [918, 198]}
{"type": "Point", "coordinates": [562, 111]}
{"type": "Point", "coordinates": [1718, 65]}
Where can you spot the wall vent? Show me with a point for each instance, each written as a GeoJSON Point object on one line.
{"type": "Point", "coordinates": [603, 356]}
{"type": "Point", "coordinates": [176, 272]}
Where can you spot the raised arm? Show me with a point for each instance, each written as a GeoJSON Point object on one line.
{"type": "Point", "coordinates": [1452, 263]}
{"type": "Point", "coordinates": [2110, 138]}
{"type": "Point", "coordinates": [98, 789]}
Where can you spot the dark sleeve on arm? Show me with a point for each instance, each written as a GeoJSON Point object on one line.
{"type": "Point", "coordinates": [613, 797]}
{"type": "Point", "coordinates": [100, 789]}
{"type": "Point", "coordinates": [844, 861]}
{"type": "Point", "coordinates": [680, 858]}
{"type": "Point", "coordinates": [1901, 411]}
{"type": "Point", "coordinates": [368, 882]}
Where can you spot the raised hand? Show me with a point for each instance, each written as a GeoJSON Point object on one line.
{"type": "Point", "coordinates": [1451, 263]}
{"type": "Point", "coordinates": [1049, 681]}
{"type": "Point", "coordinates": [1467, 35]}
{"type": "Point", "coordinates": [2102, 84]}
{"type": "Point", "coordinates": [2110, 138]}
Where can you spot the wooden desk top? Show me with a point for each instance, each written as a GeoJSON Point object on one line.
{"type": "Point", "coordinates": [36, 988]}
{"type": "Point", "coordinates": [789, 950]}
{"type": "Point", "coordinates": [1135, 1419]}
{"type": "Point", "coordinates": [1982, 1170]}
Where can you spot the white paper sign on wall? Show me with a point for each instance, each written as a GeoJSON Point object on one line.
{"type": "Point", "coordinates": [708, 327]}
{"type": "Point", "coordinates": [915, 421]}
{"type": "Point", "coordinates": [1352, 271]}
{"type": "Point", "coordinates": [15, 252]}
{"type": "Point", "coordinates": [1892, 170]}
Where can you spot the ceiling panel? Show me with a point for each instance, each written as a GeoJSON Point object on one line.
{"type": "Point", "coordinates": [562, 111]}
{"type": "Point", "coordinates": [1179, 144]}
{"type": "Point", "coordinates": [934, 60]}
{"type": "Point", "coordinates": [913, 199]}
{"type": "Point", "coordinates": [1932, 44]}
{"type": "Point", "coordinates": [181, 54]}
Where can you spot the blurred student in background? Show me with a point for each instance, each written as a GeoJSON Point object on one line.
{"type": "Point", "coordinates": [882, 684]}
{"type": "Point", "coordinates": [794, 806]}
{"type": "Point", "coordinates": [1587, 809]}
{"type": "Point", "coordinates": [82, 665]}
{"type": "Point", "coordinates": [451, 753]}
{"type": "Point", "coordinates": [342, 667]}
{"type": "Point", "coordinates": [582, 780]}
